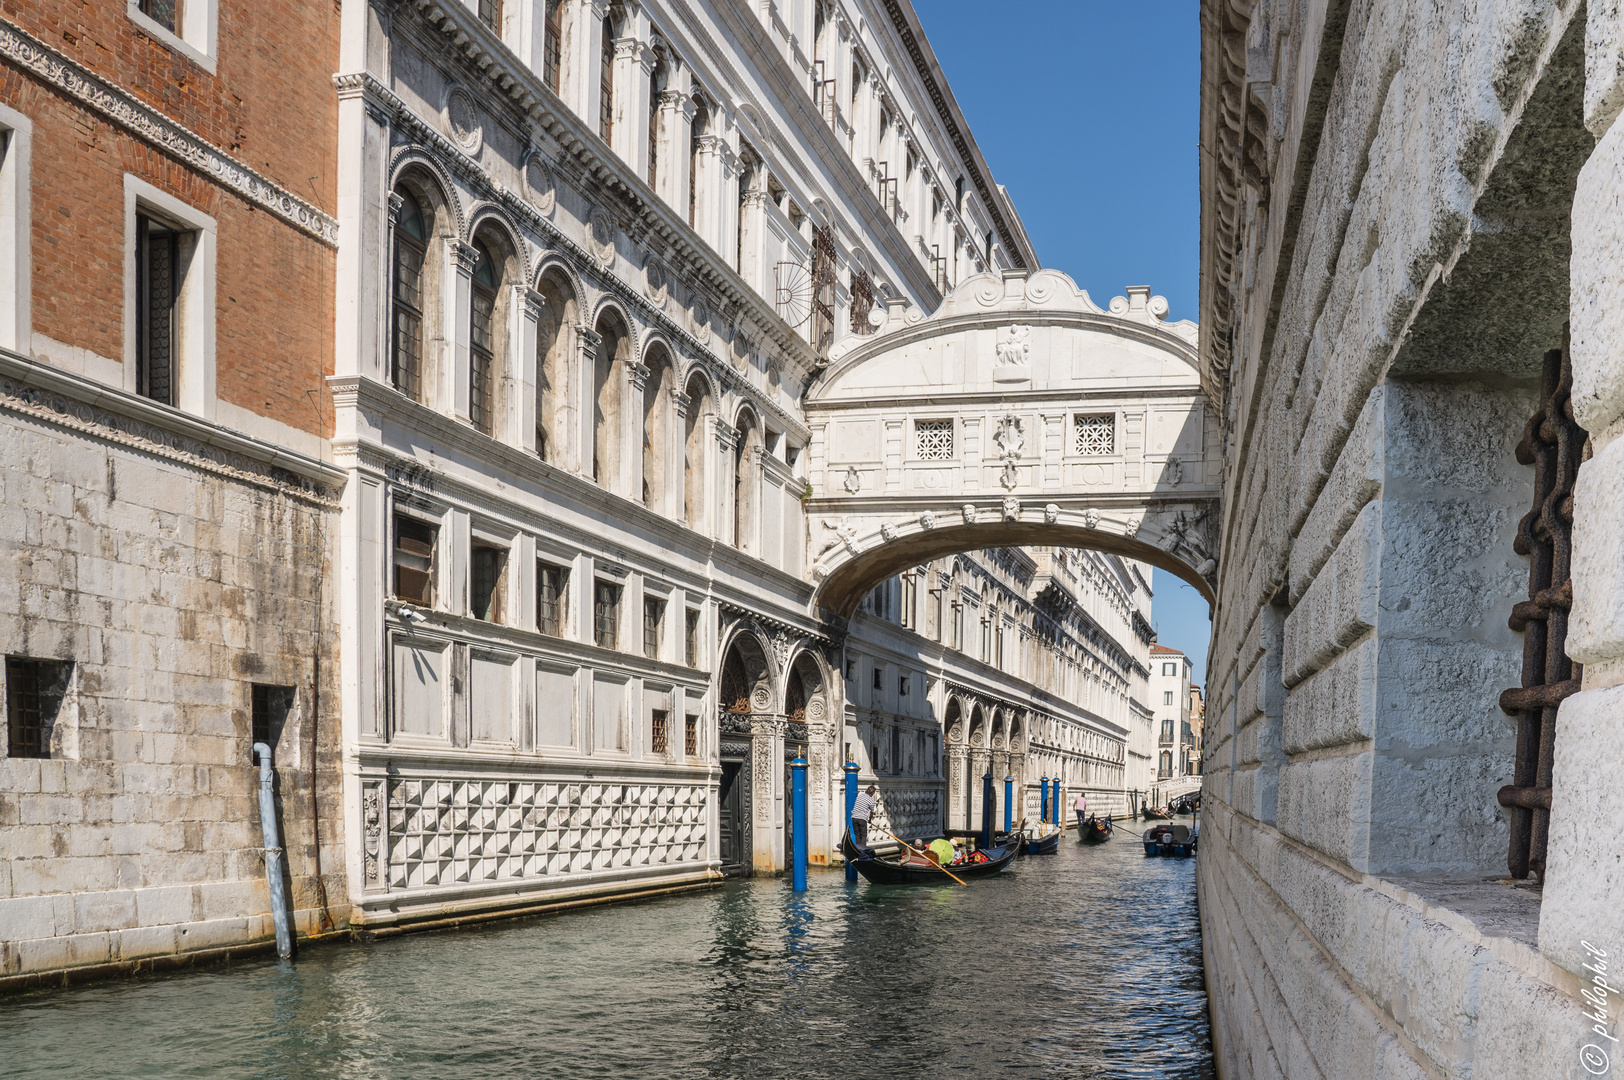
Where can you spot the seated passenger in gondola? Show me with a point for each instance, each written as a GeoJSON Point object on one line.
{"type": "Point", "coordinates": [941, 850]}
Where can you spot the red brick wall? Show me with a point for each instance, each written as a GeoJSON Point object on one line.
{"type": "Point", "coordinates": [272, 107]}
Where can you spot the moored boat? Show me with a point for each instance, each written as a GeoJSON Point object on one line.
{"type": "Point", "coordinates": [914, 870]}
{"type": "Point", "coordinates": [1170, 840]}
{"type": "Point", "coordinates": [1040, 844]}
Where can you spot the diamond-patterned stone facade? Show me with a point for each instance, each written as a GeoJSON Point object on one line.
{"type": "Point", "coordinates": [909, 813]}
{"type": "Point", "coordinates": [454, 832]}
{"type": "Point", "coordinates": [1096, 435]}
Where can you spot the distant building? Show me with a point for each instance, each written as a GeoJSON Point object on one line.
{"type": "Point", "coordinates": [1170, 701]}
{"type": "Point", "coordinates": [1198, 715]}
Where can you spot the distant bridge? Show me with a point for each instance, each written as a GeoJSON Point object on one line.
{"type": "Point", "coordinates": [1020, 413]}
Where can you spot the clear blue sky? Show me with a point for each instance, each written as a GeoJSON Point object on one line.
{"type": "Point", "coordinates": [1086, 111]}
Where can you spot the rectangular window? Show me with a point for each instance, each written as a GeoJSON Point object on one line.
{"type": "Point", "coordinates": [659, 720]}
{"type": "Point", "coordinates": [550, 598]}
{"type": "Point", "coordinates": [1170, 669]}
{"type": "Point", "coordinates": [157, 288]}
{"type": "Point", "coordinates": [606, 614]}
{"type": "Point", "coordinates": [553, 48]}
{"type": "Point", "coordinates": [690, 736]}
{"type": "Point", "coordinates": [653, 627]}
{"type": "Point", "coordinates": [1167, 698]}
{"type": "Point", "coordinates": [933, 440]}
{"type": "Point", "coordinates": [1096, 435]}
{"type": "Point", "coordinates": [162, 12]}
{"type": "Point", "coordinates": [414, 560]}
{"type": "Point", "coordinates": [487, 577]}
{"type": "Point", "coordinates": [269, 710]}
{"type": "Point", "coordinates": [34, 693]}
{"type": "Point", "coordinates": [879, 677]}
{"type": "Point", "coordinates": [490, 13]}
{"type": "Point", "coordinates": [690, 638]}
{"type": "Point", "coordinates": [851, 670]}
{"type": "Point", "coordinates": [903, 686]}
{"type": "Point", "coordinates": [482, 359]}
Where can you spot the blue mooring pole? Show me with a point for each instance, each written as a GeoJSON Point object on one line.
{"type": "Point", "coordinates": [1058, 809]}
{"type": "Point", "coordinates": [851, 801]}
{"type": "Point", "coordinates": [988, 802]}
{"type": "Point", "coordinates": [1043, 803]}
{"type": "Point", "coordinates": [798, 804]}
{"type": "Point", "coordinates": [1009, 802]}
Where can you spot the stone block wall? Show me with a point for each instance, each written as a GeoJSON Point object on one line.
{"type": "Point", "coordinates": [171, 576]}
{"type": "Point", "coordinates": [1400, 267]}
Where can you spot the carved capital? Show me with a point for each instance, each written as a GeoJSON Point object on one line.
{"type": "Point", "coordinates": [636, 374]}
{"type": "Point", "coordinates": [395, 203]}
{"type": "Point", "coordinates": [727, 436]}
{"type": "Point", "coordinates": [680, 403]}
{"type": "Point", "coordinates": [465, 256]}
{"type": "Point", "coordinates": [535, 304]}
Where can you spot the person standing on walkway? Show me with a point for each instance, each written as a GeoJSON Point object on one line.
{"type": "Point", "coordinates": [861, 811]}
{"type": "Point", "coordinates": [1080, 807]}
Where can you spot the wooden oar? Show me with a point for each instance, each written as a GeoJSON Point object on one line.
{"type": "Point", "coordinates": [927, 858]}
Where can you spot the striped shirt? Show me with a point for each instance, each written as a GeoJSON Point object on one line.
{"type": "Point", "coordinates": [863, 808]}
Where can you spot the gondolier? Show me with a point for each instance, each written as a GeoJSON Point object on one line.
{"type": "Point", "coordinates": [1080, 808]}
{"type": "Point", "coordinates": [861, 811]}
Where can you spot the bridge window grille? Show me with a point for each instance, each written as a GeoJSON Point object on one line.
{"type": "Point", "coordinates": [862, 302]}
{"type": "Point", "coordinates": [933, 440]}
{"type": "Point", "coordinates": [1554, 444]}
{"type": "Point", "coordinates": [1096, 435]}
{"type": "Point", "coordinates": [34, 694]}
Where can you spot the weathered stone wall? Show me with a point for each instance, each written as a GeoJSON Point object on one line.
{"type": "Point", "coordinates": [172, 576]}
{"type": "Point", "coordinates": [1386, 254]}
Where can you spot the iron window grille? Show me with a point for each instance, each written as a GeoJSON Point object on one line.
{"type": "Point", "coordinates": [550, 582]}
{"type": "Point", "coordinates": [553, 48]}
{"type": "Point", "coordinates": [1096, 435]}
{"type": "Point", "coordinates": [1555, 445]}
{"type": "Point", "coordinates": [862, 302]}
{"type": "Point", "coordinates": [606, 615]}
{"type": "Point", "coordinates": [490, 13]}
{"type": "Point", "coordinates": [659, 720]}
{"type": "Point", "coordinates": [34, 693]}
{"type": "Point", "coordinates": [933, 440]}
{"type": "Point", "coordinates": [653, 625]}
{"type": "Point", "coordinates": [157, 280]}
{"type": "Point", "coordinates": [690, 736]}
{"type": "Point", "coordinates": [414, 560]}
{"type": "Point", "coordinates": [606, 81]}
{"type": "Point", "coordinates": [481, 341]}
{"type": "Point", "coordinates": [411, 251]}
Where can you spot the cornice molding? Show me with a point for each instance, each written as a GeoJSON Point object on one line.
{"type": "Point", "coordinates": [151, 126]}
{"type": "Point", "coordinates": [64, 400]}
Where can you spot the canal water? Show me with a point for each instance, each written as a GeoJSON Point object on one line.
{"type": "Point", "coordinates": [1082, 964]}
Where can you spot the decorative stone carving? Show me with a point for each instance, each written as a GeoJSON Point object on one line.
{"type": "Point", "coordinates": [601, 237]}
{"type": "Point", "coordinates": [1013, 345]}
{"type": "Point", "coordinates": [655, 283]}
{"type": "Point", "coordinates": [700, 318]}
{"type": "Point", "coordinates": [844, 534]}
{"type": "Point", "coordinates": [1010, 438]}
{"type": "Point", "coordinates": [1012, 508]}
{"type": "Point", "coordinates": [1132, 527]}
{"type": "Point", "coordinates": [888, 531]}
{"type": "Point", "coordinates": [969, 512]}
{"type": "Point", "coordinates": [1051, 513]}
{"type": "Point", "coordinates": [372, 830]}
{"type": "Point", "coordinates": [927, 520]}
{"type": "Point", "coordinates": [462, 118]}
{"type": "Point", "coordinates": [1173, 472]}
{"type": "Point", "coordinates": [539, 186]}
{"type": "Point", "coordinates": [854, 480]}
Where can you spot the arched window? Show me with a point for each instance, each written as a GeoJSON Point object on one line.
{"type": "Point", "coordinates": [482, 339]}
{"type": "Point", "coordinates": [656, 89]}
{"type": "Point", "coordinates": [552, 64]}
{"type": "Point", "coordinates": [554, 339]}
{"type": "Point", "coordinates": [656, 430]}
{"type": "Point", "coordinates": [746, 483]}
{"type": "Point", "coordinates": [700, 126]}
{"type": "Point", "coordinates": [411, 248]}
{"type": "Point", "coordinates": [694, 453]}
{"type": "Point", "coordinates": [606, 76]}
{"type": "Point", "coordinates": [613, 346]}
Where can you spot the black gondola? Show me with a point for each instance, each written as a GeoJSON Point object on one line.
{"type": "Point", "coordinates": [1095, 831]}
{"type": "Point", "coordinates": [890, 872]}
{"type": "Point", "coordinates": [1040, 845]}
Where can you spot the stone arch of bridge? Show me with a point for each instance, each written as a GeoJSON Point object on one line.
{"type": "Point", "coordinates": [1020, 413]}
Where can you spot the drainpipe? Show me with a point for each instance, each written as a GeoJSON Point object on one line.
{"type": "Point", "coordinates": [273, 852]}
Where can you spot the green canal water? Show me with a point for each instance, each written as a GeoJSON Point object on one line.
{"type": "Point", "coordinates": [1082, 964]}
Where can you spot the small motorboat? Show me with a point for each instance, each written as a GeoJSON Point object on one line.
{"type": "Point", "coordinates": [1040, 843]}
{"type": "Point", "coordinates": [1170, 840]}
{"type": "Point", "coordinates": [1095, 831]}
{"type": "Point", "coordinates": [909, 869]}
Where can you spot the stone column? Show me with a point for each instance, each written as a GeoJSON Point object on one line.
{"type": "Point", "coordinates": [365, 213]}
{"type": "Point", "coordinates": [676, 121]}
{"type": "Point", "coordinates": [767, 746]}
{"type": "Point", "coordinates": [630, 481]}
{"type": "Point", "coordinates": [584, 39]}
{"type": "Point", "coordinates": [634, 64]}
{"type": "Point", "coordinates": [583, 375]}
{"type": "Point", "coordinates": [716, 177]}
{"type": "Point", "coordinates": [519, 377]}
{"type": "Point", "coordinates": [676, 446]}
{"type": "Point", "coordinates": [720, 481]}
